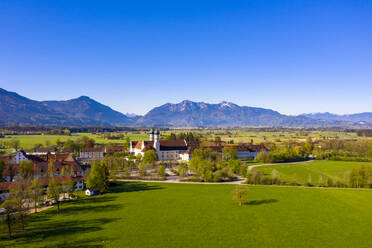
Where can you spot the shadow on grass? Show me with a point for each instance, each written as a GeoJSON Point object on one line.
{"type": "Point", "coordinates": [93, 199]}
{"type": "Point", "coordinates": [266, 201]}
{"type": "Point", "coordinates": [62, 230]}
{"type": "Point", "coordinates": [86, 243]}
{"type": "Point", "coordinates": [89, 208]}
{"type": "Point", "coordinates": [119, 187]}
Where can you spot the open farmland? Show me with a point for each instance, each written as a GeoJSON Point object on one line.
{"type": "Point", "coordinates": [237, 135]}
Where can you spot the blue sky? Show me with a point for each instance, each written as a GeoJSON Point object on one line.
{"type": "Point", "coordinates": [290, 56]}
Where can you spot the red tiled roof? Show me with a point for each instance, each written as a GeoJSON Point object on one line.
{"type": "Point", "coordinates": [5, 186]}
{"type": "Point", "coordinates": [114, 148]}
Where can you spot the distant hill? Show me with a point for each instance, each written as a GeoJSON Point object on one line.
{"type": "Point", "coordinates": [188, 113]}
{"type": "Point", "coordinates": [82, 111]}
{"type": "Point", "coordinates": [361, 118]}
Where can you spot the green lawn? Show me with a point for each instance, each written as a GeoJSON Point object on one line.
{"type": "Point", "coordinates": [184, 215]}
{"type": "Point", "coordinates": [315, 168]}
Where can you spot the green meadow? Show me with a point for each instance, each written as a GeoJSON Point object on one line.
{"type": "Point", "coordinates": [29, 141]}
{"type": "Point", "coordinates": [194, 215]}
{"type": "Point", "coordinates": [315, 168]}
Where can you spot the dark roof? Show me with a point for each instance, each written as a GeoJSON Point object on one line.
{"type": "Point", "coordinates": [41, 150]}
{"type": "Point", "coordinates": [167, 145]}
{"type": "Point", "coordinates": [92, 149]}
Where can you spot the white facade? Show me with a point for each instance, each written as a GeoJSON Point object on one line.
{"type": "Point", "coordinates": [164, 153]}
{"type": "Point", "coordinates": [20, 156]}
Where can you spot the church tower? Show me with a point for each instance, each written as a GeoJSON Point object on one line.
{"type": "Point", "coordinates": [157, 140]}
{"type": "Point", "coordinates": [152, 135]}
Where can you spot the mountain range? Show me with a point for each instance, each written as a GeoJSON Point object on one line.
{"type": "Point", "coordinates": [84, 111]}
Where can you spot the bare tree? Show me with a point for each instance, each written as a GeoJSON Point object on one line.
{"type": "Point", "coordinates": [240, 194]}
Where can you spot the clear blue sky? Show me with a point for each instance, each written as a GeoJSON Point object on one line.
{"type": "Point", "coordinates": [291, 56]}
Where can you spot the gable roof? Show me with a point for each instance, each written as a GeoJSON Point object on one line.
{"type": "Point", "coordinates": [167, 145]}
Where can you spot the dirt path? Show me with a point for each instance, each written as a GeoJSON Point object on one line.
{"type": "Point", "coordinates": [32, 211]}
{"type": "Point", "coordinates": [259, 165]}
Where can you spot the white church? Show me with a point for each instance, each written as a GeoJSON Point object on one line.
{"type": "Point", "coordinates": [165, 149]}
{"type": "Point", "coordinates": [171, 150]}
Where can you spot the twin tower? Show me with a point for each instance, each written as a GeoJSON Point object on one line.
{"type": "Point", "coordinates": [154, 136]}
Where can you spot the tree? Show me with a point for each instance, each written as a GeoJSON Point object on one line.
{"type": "Point", "coordinates": [264, 157]}
{"type": "Point", "coordinates": [2, 167]}
{"type": "Point", "coordinates": [36, 193]}
{"type": "Point", "coordinates": [321, 181]}
{"type": "Point", "coordinates": [274, 176]}
{"type": "Point", "coordinates": [15, 144]}
{"type": "Point", "coordinates": [126, 143]}
{"type": "Point", "coordinates": [51, 169]}
{"type": "Point", "coordinates": [161, 171]}
{"type": "Point", "coordinates": [38, 145]}
{"type": "Point", "coordinates": [150, 156]}
{"type": "Point", "coordinates": [182, 170]}
{"type": "Point", "coordinates": [142, 169]}
{"type": "Point", "coordinates": [26, 170]}
{"type": "Point", "coordinates": [240, 194]}
{"type": "Point", "coordinates": [68, 187]}
{"type": "Point", "coordinates": [21, 196]}
{"type": "Point", "coordinates": [229, 153]}
{"type": "Point", "coordinates": [10, 209]}
{"type": "Point", "coordinates": [54, 191]}
{"type": "Point", "coordinates": [234, 165]}
{"type": "Point", "coordinates": [98, 177]}
{"type": "Point", "coordinates": [294, 179]}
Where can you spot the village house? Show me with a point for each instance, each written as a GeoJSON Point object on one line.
{"type": "Point", "coordinates": [15, 158]}
{"type": "Point", "coordinates": [91, 154]}
{"type": "Point", "coordinates": [62, 164]}
{"type": "Point", "coordinates": [78, 181]}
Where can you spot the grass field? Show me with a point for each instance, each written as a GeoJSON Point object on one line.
{"type": "Point", "coordinates": [28, 141]}
{"type": "Point", "coordinates": [184, 215]}
{"type": "Point", "coordinates": [315, 168]}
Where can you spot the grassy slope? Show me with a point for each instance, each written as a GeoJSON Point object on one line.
{"type": "Point", "coordinates": [179, 215]}
{"type": "Point", "coordinates": [315, 168]}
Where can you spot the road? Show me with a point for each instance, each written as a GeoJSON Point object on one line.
{"type": "Point", "coordinates": [173, 178]}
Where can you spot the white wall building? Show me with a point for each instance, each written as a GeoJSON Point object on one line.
{"type": "Point", "coordinates": [166, 150]}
